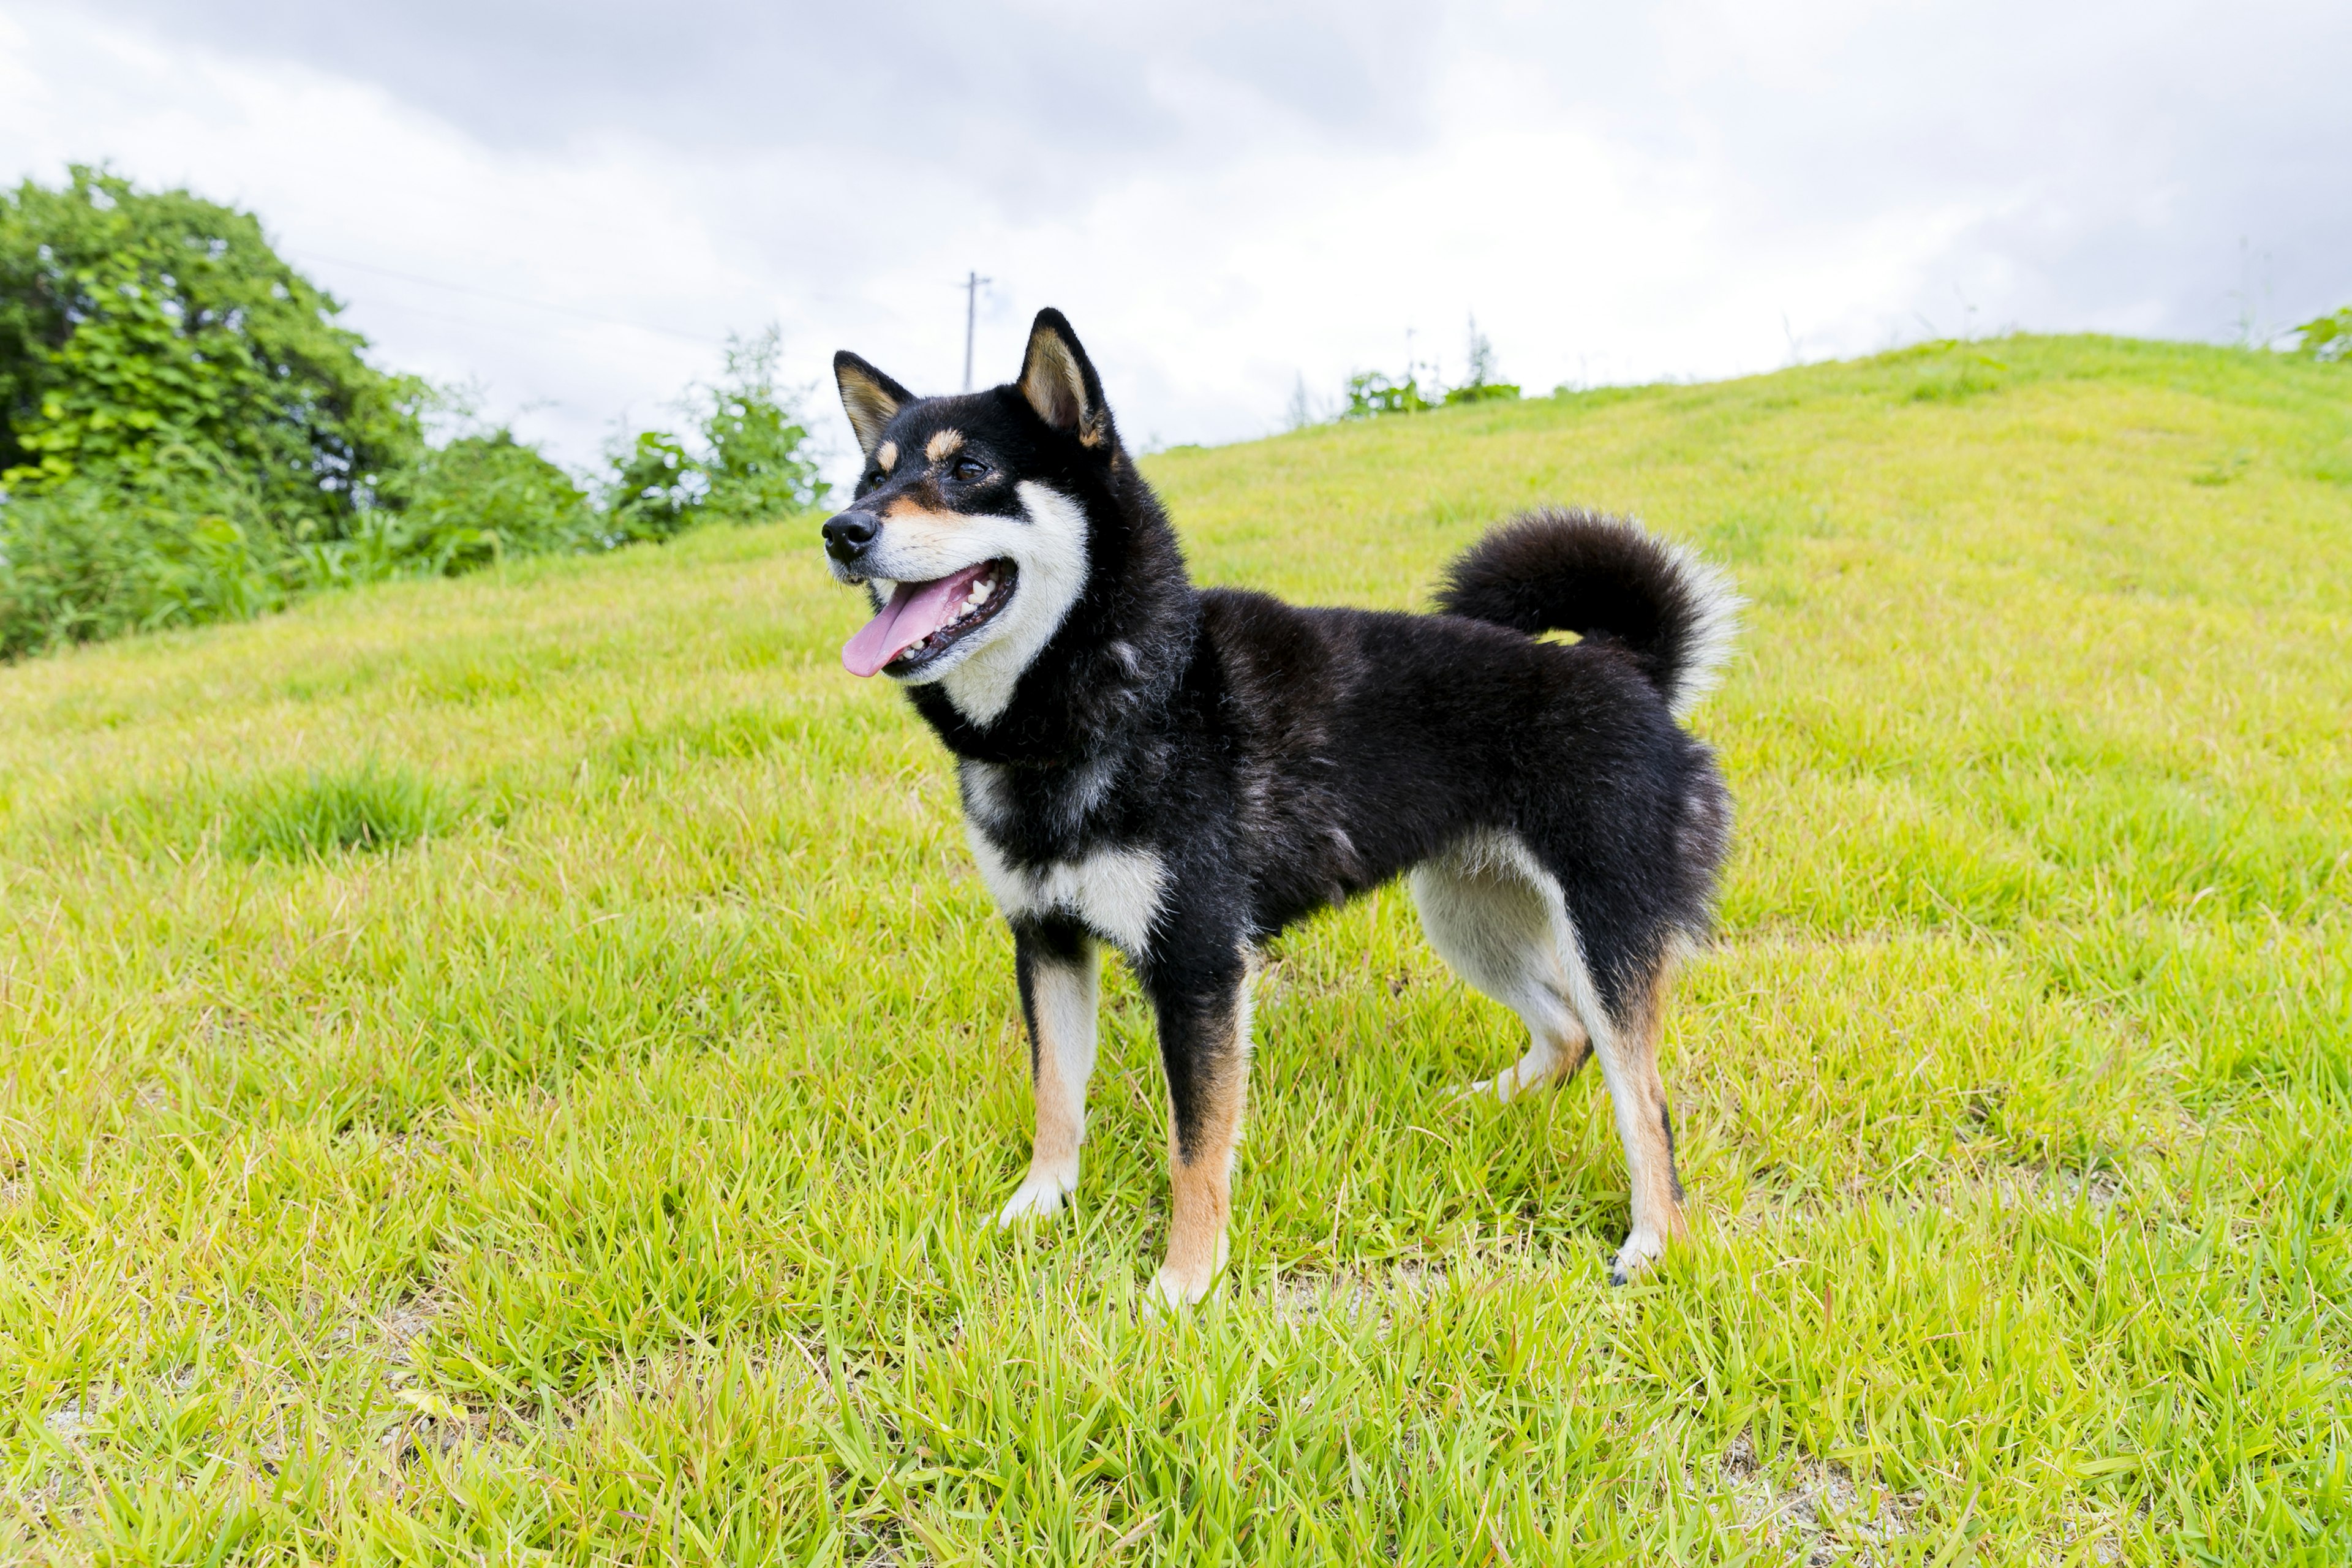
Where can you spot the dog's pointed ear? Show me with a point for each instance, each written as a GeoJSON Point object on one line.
{"type": "Point", "coordinates": [870, 398]}
{"type": "Point", "coordinates": [1060, 381]}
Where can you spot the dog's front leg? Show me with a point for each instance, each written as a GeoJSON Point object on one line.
{"type": "Point", "coordinates": [1204, 1016]}
{"type": "Point", "coordinates": [1060, 976]}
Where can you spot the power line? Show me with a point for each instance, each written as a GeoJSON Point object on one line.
{"type": "Point", "coordinates": [513, 299]}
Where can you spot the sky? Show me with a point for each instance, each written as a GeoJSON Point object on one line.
{"type": "Point", "coordinates": [567, 207]}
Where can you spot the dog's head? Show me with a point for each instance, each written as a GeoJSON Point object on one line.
{"type": "Point", "coordinates": [969, 525]}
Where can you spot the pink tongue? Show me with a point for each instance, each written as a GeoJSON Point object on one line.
{"type": "Point", "coordinates": [915, 611]}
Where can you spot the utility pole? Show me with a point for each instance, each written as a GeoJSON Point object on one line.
{"type": "Point", "coordinates": [971, 286]}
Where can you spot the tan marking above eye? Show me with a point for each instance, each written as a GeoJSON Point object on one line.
{"type": "Point", "coordinates": [887, 455]}
{"type": "Point", "coordinates": [944, 445]}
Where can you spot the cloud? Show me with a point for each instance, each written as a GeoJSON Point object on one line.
{"type": "Point", "coordinates": [1226, 198]}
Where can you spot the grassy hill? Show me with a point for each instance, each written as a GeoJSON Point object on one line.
{"type": "Point", "coordinates": [516, 1068]}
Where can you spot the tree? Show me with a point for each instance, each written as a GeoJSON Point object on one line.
{"type": "Point", "coordinates": [148, 337]}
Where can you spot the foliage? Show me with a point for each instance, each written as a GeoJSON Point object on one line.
{"type": "Point", "coordinates": [1371, 394]}
{"type": "Point", "coordinates": [2327, 337]}
{"type": "Point", "coordinates": [760, 466]}
{"type": "Point", "coordinates": [1485, 392]}
{"type": "Point", "coordinates": [601, 1176]}
{"type": "Point", "coordinates": [188, 435]}
{"type": "Point", "coordinates": [658, 488]}
{"type": "Point", "coordinates": [83, 559]}
{"type": "Point", "coordinates": [483, 497]}
{"type": "Point", "coordinates": [140, 327]}
{"type": "Point", "coordinates": [170, 544]}
{"type": "Point", "coordinates": [1481, 382]}
{"type": "Point", "coordinates": [756, 462]}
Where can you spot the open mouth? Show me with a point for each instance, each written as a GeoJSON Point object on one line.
{"type": "Point", "coordinates": [924, 620]}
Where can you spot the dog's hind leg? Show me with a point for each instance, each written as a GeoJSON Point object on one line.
{"type": "Point", "coordinates": [1060, 975]}
{"type": "Point", "coordinates": [1627, 1043]}
{"type": "Point", "coordinates": [1626, 1033]}
{"type": "Point", "coordinates": [1488, 917]}
{"type": "Point", "coordinates": [1500, 917]}
{"type": "Point", "coordinates": [1204, 1042]}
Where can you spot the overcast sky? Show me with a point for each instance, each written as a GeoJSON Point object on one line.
{"type": "Point", "coordinates": [572, 204]}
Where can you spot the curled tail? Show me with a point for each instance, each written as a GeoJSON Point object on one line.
{"type": "Point", "coordinates": [1558, 570]}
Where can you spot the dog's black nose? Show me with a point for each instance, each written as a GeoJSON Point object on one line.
{"type": "Point", "coordinates": [849, 533]}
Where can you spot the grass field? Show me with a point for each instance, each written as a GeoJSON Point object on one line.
{"type": "Point", "coordinates": [515, 1069]}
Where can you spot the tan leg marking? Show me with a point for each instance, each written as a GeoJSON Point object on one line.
{"type": "Point", "coordinates": [1638, 1096]}
{"type": "Point", "coordinates": [1065, 997]}
{"type": "Point", "coordinates": [1200, 1189]}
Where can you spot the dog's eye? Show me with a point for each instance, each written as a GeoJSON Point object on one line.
{"type": "Point", "coordinates": [969, 469]}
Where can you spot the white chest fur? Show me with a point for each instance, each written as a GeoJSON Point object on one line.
{"type": "Point", "coordinates": [1114, 892]}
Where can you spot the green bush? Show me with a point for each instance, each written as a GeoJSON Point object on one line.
{"type": "Point", "coordinates": [484, 496]}
{"type": "Point", "coordinates": [756, 464]}
{"type": "Point", "coordinates": [759, 466]}
{"type": "Point", "coordinates": [658, 488]}
{"type": "Point", "coordinates": [1483, 392]}
{"type": "Point", "coordinates": [86, 559]}
{"type": "Point", "coordinates": [1482, 384]}
{"type": "Point", "coordinates": [1371, 394]}
{"type": "Point", "coordinates": [98, 555]}
{"type": "Point", "coordinates": [2327, 337]}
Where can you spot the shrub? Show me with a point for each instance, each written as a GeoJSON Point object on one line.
{"type": "Point", "coordinates": [484, 496]}
{"type": "Point", "coordinates": [96, 555]}
{"type": "Point", "coordinates": [87, 559]}
{"type": "Point", "coordinates": [1371, 394]}
{"type": "Point", "coordinates": [756, 464]}
{"type": "Point", "coordinates": [1482, 384]}
{"type": "Point", "coordinates": [657, 488]}
{"type": "Point", "coordinates": [2327, 337]}
{"type": "Point", "coordinates": [760, 467]}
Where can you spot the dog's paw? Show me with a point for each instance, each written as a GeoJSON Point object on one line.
{"type": "Point", "coordinates": [1170, 1291]}
{"type": "Point", "coordinates": [1508, 1085]}
{"type": "Point", "coordinates": [1039, 1197]}
{"type": "Point", "coordinates": [1179, 1285]}
{"type": "Point", "coordinates": [1642, 1248]}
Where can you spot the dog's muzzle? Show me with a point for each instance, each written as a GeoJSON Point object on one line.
{"type": "Point", "coordinates": [847, 534]}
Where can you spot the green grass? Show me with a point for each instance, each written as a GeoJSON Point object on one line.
{"type": "Point", "coordinates": [515, 1068]}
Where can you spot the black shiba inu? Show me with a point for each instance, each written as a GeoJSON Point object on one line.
{"type": "Point", "coordinates": [1182, 773]}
